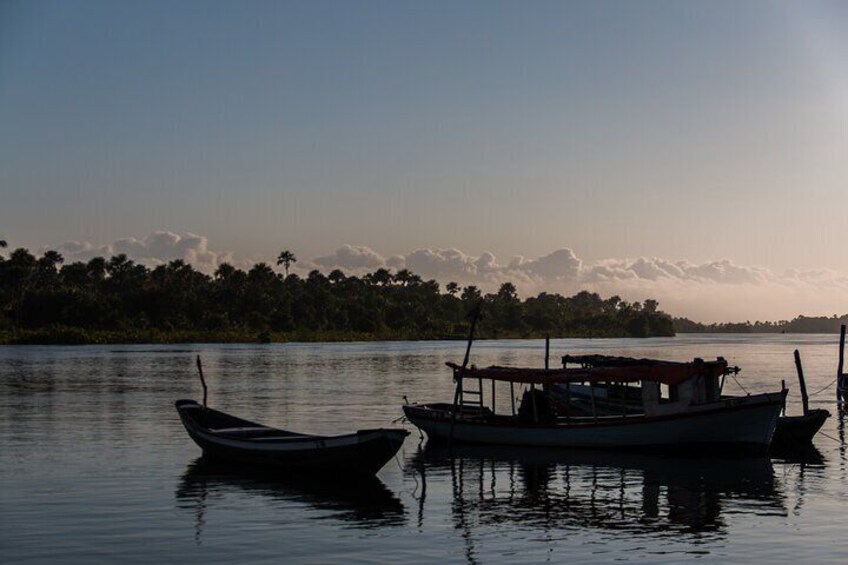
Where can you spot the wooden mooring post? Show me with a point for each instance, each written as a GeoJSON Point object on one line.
{"type": "Point", "coordinates": [202, 380]}
{"type": "Point", "coordinates": [783, 389]}
{"type": "Point", "coordinates": [804, 398]}
{"type": "Point", "coordinates": [841, 377]}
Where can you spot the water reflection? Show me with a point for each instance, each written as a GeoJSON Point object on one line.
{"type": "Point", "coordinates": [360, 502]}
{"type": "Point", "coordinates": [563, 489]}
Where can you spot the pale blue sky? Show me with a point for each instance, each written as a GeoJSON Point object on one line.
{"type": "Point", "coordinates": [682, 130]}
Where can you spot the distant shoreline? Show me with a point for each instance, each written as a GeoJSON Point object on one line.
{"type": "Point", "coordinates": [79, 336]}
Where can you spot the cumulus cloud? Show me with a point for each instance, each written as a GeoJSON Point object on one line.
{"type": "Point", "coordinates": [441, 263]}
{"type": "Point", "coordinates": [82, 250]}
{"type": "Point", "coordinates": [352, 258]}
{"type": "Point", "coordinates": [654, 269]}
{"type": "Point", "coordinates": [157, 248]}
{"type": "Point", "coordinates": [561, 264]}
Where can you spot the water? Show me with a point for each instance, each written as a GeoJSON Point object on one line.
{"type": "Point", "coordinates": [95, 466]}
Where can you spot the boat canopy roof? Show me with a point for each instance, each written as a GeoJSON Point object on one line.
{"type": "Point", "coordinates": [665, 372]}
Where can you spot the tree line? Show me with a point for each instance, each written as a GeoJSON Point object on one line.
{"type": "Point", "coordinates": [799, 324]}
{"type": "Point", "coordinates": [45, 300]}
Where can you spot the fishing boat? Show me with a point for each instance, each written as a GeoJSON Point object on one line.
{"type": "Point", "coordinates": [681, 407]}
{"type": "Point", "coordinates": [612, 400]}
{"type": "Point", "coordinates": [225, 437]}
{"type": "Point", "coordinates": [609, 399]}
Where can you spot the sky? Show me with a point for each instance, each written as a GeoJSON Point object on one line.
{"type": "Point", "coordinates": [692, 152]}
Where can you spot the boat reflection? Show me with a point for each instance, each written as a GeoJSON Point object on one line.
{"type": "Point", "coordinates": [359, 501]}
{"type": "Point", "coordinates": [565, 489]}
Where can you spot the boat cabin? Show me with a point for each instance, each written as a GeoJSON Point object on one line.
{"type": "Point", "coordinates": [607, 386]}
{"type": "Point", "coordinates": [670, 387]}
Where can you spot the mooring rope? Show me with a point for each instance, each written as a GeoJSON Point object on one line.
{"type": "Point", "coordinates": [821, 433]}
{"type": "Point", "coordinates": [824, 388]}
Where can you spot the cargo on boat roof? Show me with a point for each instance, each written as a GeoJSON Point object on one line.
{"type": "Point", "coordinates": [602, 368]}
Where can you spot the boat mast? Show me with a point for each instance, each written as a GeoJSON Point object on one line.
{"type": "Point", "coordinates": [458, 375]}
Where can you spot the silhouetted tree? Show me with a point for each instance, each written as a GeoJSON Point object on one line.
{"type": "Point", "coordinates": [286, 259]}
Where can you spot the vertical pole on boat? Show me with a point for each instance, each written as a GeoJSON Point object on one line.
{"type": "Point", "coordinates": [458, 375]}
{"type": "Point", "coordinates": [202, 380]}
{"type": "Point", "coordinates": [475, 314]}
{"type": "Point", "coordinates": [512, 395]}
{"type": "Point", "coordinates": [782, 390]}
{"type": "Point", "coordinates": [804, 399]}
{"type": "Point", "coordinates": [840, 376]}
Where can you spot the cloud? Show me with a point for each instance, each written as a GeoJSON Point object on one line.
{"type": "Point", "coordinates": [715, 290]}
{"type": "Point", "coordinates": [440, 263]}
{"type": "Point", "coordinates": [352, 258]}
{"type": "Point", "coordinates": [561, 264]}
{"type": "Point", "coordinates": [82, 251]}
{"type": "Point", "coordinates": [157, 248]}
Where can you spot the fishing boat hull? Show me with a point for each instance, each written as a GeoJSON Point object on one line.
{"type": "Point", "coordinates": [580, 399]}
{"type": "Point", "coordinates": [228, 438]}
{"type": "Point", "coordinates": [748, 421]}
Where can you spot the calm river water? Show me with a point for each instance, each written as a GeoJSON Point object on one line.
{"type": "Point", "coordinates": [95, 466]}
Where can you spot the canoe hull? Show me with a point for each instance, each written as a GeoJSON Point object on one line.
{"type": "Point", "coordinates": [793, 430]}
{"type": "Point", "coordinates": [362, 452]}
{"type": "Point", "coordinates": [739, 422]}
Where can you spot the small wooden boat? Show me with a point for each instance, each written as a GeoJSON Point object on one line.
{"type": "Point", "coordinates": [228, 438]}
{"type": "Point", "coordinates": [795, 430]}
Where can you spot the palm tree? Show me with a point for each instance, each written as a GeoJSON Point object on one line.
{"type": "Point", "coordinates": [53, 258]}
{"type": "Point", "coordinates": [286, 259]}
{"type": "Point", "coordinates": [3, 244]}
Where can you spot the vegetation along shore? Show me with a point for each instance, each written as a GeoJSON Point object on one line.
{"type": "Point", "coordinates": [115, 300]}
